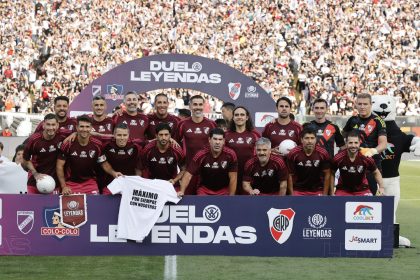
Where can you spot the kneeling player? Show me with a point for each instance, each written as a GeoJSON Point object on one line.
{"type": "Point", "coordinates": [353, 168]}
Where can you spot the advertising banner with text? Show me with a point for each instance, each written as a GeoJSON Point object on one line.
{"type": "Point", "coordinates": [212, 225]}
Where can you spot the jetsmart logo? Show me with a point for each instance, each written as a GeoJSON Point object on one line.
{"type": "Point", "coordinates": [363, 212]}
{"type": "Point", "coordinates": [175, 72]}
{"type": "Point", "coordinates": [363, 240]}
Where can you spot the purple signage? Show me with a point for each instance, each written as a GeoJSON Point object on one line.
{"type": "Point", "coordinates": [178, 71]}
{"type": "Point", "coordinates": [241, 225]}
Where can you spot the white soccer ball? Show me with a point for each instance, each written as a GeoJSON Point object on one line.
{"type": "Point", "coordinates": [285, 146]}
{"type": "Point", "coordinates": [46, 184]}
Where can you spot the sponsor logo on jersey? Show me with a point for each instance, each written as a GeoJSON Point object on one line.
{"type": "Point", "coordinates": [42, 150]}
{"type": "Point", "coordinates": [281, 223]}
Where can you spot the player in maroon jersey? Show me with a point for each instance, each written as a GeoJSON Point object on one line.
{"type": "Point", "coordinates": [265, 173]}
{"type": "Point", "coordinates": [136, 122]}
{"type": "Point", "coordinates": [284, 127]}
{"type": "Point", "coordinates": [241, 138]}
{"type": "Point", "coordinates": [161, 115]}
{"type": "Point", "coordinates": [123, 155]}
{"type": "Point", "coordinates": [102, 125]}
{"type": "Point", "coordinates": [216, 165]}
{"type": "Point", "coordinates": [160, 159]}
{"type": "Point", "coordinates": [193, 133]}
{"type": "Point", "coordinates": [309, 167]}
{"type": "Point", "coordinates": [65, 123]}
{"type": "Point", "coordinates": [77, 161]}
{"type": "Point", "coordinates": [354, 167]}
{"type": "Point", "coordinates": [41, 152]}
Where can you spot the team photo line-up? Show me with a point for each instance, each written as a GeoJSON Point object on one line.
{"type": "Point", "coordinates": [205, 157]}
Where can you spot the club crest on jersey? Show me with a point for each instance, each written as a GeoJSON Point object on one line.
{"type": "Point", "coordinates": [25, 221]}
{"type": "Point", "coordinates": [92, 153]}
{"type": "Point", "coordinates": [328, 132]}
{"type": "Point", "coordinates": [281, 223]}
{"type": "Point", "coordinates": [291, 133]}
{"type": "Point", "coordinates": [234, 90]}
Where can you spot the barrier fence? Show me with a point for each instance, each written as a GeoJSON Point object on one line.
{"type": "Point", "coordinates": [243, 226]}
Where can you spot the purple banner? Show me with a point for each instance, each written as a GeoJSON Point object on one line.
{"type": "Point", "coordinates": [179, 71]}
{"type": "Point", "coordinates": [243, 226]}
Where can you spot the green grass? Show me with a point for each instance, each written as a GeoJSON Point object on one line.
{"type": "Point", "coordinates": [404, 265]}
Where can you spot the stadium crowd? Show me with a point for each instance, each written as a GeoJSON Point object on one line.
{"type": "Point", "coordinates": [310, 49]}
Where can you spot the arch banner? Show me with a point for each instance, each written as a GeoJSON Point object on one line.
{"type": "Point", "coordinates": [179, 71]}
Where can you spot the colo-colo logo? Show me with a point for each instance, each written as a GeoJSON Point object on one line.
{"type": "Point", "coordinates": [175, 72]}
{"type": "Point", "coordinates": [185, 226]}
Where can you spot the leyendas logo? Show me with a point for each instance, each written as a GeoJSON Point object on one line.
{"type": "Point", "coordinates": [281, 223]}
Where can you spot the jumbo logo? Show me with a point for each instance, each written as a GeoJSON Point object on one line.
{"type": "Point", "coordinates": [281, 223]}
{"type": "Point", "coordinates": [234, 90]}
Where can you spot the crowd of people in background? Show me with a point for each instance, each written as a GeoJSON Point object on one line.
{"type": "Point", "coordinates": [300, 49]}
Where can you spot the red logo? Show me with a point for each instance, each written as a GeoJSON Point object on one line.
{"type": "Point", "coordinates": [281, 223]}
{"type": "Point", "coordinates": [73, 210]}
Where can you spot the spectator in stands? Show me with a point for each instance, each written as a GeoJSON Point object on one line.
{"type": "Point", "coordinates": [18, 157]}
{"type": "Point", "coordinates": [6, 132]}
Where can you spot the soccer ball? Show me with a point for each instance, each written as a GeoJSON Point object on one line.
{"type": "Point", "coordinates": [46, 184]}
{"type": "Point", "coordinates": [285, 146]}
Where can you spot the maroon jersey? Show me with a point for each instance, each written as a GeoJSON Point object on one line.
{"type": "Point", "coordinates": [159, 165]}
{"type": "Point", "coordinates": [194, 136]}
{"type": "Point", "coordinates": [80, 160]}
{"type": "Point", "coordinates": [214, 172]}
{"type": "Point", "coordinates": [105, 126]}
{"type": "Point", "coordinates": [43, 154]}
{"type": "Point", "coordinates": [277, 132]}
{"type": "Point", "coordinates": [243, 144]}
{"type": "Point", "coordinates": [307, 170]}
{"type": "Point", "coordinates": [266, 178]}
{"type": "Point", "coordinates": [68, 126]}
{"type": "Point", "coordinates": [122, 159]}
{"type": "Point", "coordinates": [154, 120]}
{"type": "Point", "coordinates": [353, 173]}
{"type": "Point", "coordinates": [137, 125]}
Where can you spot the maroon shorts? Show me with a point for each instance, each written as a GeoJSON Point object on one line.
{"type": "Point", "coordinates": [34, 190]}
{"type": "Point", "coordinates": [87, 187]}
{"type": "Point", "coordinates": [202, 190]}
{"type": "Point", "coordinates": [307, 193]}
{"type": "Point", "coordinates": [340, 192]}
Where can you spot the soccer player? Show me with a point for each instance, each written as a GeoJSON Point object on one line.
{"type": "Point", "coordinates": [309, 167]}
{"type": "Point", "coordinates": [265, 173]}
{"type": "Point", "coordinates": [373, 133]}
{"type": "Point", "coordinates": [353, 168]}
{"type": "Point", "coordinates": [217, 166]}
{"type": "Point", "coordinates": [61, 107]}
{"type": "Point", "coordinates": [102, 125]}
{"type": "Point", "coordinates": [193, 132]}
{"type": "Point", "coordinates": [123, 155]}
{"type": "Point", "coordinates": [136, 122]}
{"type": "Point", "coordinates": [227, 111]}
{"type": "Point", "coordinates": [160, 159]}
{"type": "Point", "coordinates": [326, 132]}
{"type": "Point", "coordinates": [241, 138]}
{"type": "Point", "coordinates": [41, 153]}
{"type": "Point", "coordinates": [161, 115]}
{"type": "Point", "coordinates": [77, 160]}
{"type": "Point", "coordinates": [284, 128]}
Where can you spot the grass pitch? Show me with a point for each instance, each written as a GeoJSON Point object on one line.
{"type": "Point", "coordinates": [404, 265]}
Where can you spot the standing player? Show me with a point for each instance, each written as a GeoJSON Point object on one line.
{"type": "Point", "coordinates": [137, 122]}
{"type": "Point", "coordinates": [373, 133]}
{"type": "Point", "coordinates": [227, 111]}
{"type": "Point", "coordinates": [160, 159]}
{"type": "Point", "coordinates": [265, 173]}
{"type": "Point", "coordinates": [241, 138]}
{"type": "Point", "coordinates": [102, 125]}
{"type": "Point", "coordinates": [217, 166]}
{"type": "Point", "coordinates": [78, 159]}
{"type": "Point", "coordinates": [309, 167]}
{"type": "Point", "coordinates": [61, 107]}
{"type": "Point", "coordinates": [353, 168]}
{"type": "Point", "coordinates": [161, 115]}
{"type": "Point", "coordinates": [284, 128]}
{"type": "Point", "coordinates": [193, 132]}
{"type": "Point", "coordinates": [123, 155]}
{"type": "Point", "coordinates": [41, 153]}
{"type": "Point", "coordinates": [326, 132]}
